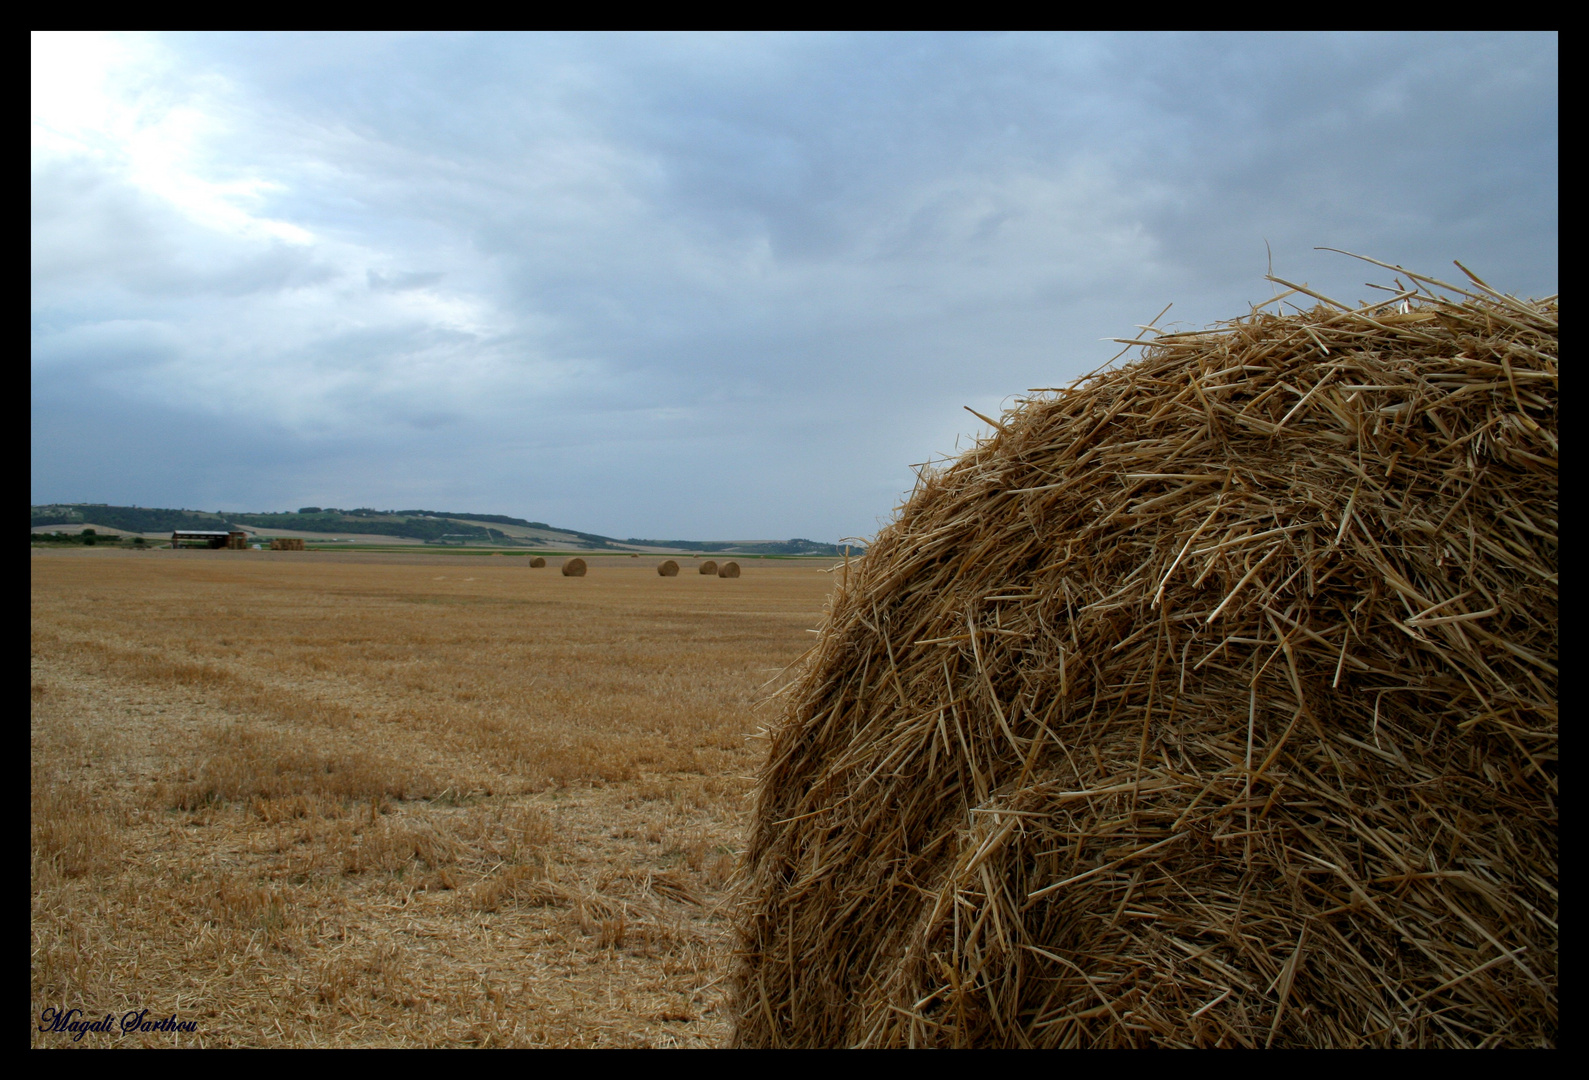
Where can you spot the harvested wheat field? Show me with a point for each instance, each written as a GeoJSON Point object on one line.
{"type": "Point", "coordinates": [1210, 701]}
{"type": "Point", "coordinates": [397, 800]}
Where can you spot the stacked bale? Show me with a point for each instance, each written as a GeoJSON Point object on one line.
{"type": "Point", "coordinates": [537, 562]}
{"type": "Point", "coordinates": [286, 543]}
{"type": "Point", "coordinates": [668, 569]}
{"type": "Point", "coordinates": [728, 569]}
{"type": "Point", "coordinates": [574, 568]}
{"type": "Point", "coordinates": [1209, 701]}
{"type": "Point", "coordinates": [709, 567]}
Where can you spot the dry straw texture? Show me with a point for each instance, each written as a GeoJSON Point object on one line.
{"type": "Point", "coordinates": [668, 569]}
{"type": "Point", "coordinates": [574, 568]}
{"type": "Point", "coordinates": [1209, 701]}
{"type": "Point", "coordinates": [387, 828]}
{"type": "Point", "coordinates": [537, 561]}
{"type": "Point", "coordinates": [728, 569]}
{"type": "Point", "coordinates": [708, 567]}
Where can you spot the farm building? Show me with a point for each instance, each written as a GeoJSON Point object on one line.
{"type": "Point", "coordinates": [236, 539]}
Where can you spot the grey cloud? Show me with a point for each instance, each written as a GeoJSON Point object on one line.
{"type": "Point", "coordinates": [661, 268]}
{"type": "Point", "coordinates": [402, 282]}
{"type": "Point", "coordinates": [92, 230]}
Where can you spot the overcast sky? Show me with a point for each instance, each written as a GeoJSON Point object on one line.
{"type": "Point", "coordinates": [701, 286]}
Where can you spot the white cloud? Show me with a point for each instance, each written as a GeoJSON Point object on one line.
{"type": "Point", "coordinates": [117, 100]}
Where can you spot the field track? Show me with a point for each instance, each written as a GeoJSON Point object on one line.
{"type": "Point", "coordinates": [386, 799]}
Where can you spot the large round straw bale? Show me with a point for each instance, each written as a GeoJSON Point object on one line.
{"type": "Point", "coordinates": [574, 568]}
{"type": "Point", "coordinates": [668, 569]}
{"type": "Point", "coordinates": [1209, 701]}
{"type": "Point", "coordinates": [537, 561]}
{"type": "Point", "coordinates": [708, 567]}
{"type": "Point", "coordinates": [728, 569]}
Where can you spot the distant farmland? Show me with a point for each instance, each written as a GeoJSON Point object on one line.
{"type": "Point", "coordinates": [429, 526]}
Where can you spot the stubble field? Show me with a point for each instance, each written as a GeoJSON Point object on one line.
{"type": "Point", "coordinates": [344, 799]}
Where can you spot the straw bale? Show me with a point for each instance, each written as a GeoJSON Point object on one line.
{"type": "Point", "coordinates": [668, 569]}
{"type": "Point", "coordinates": [574, 568]}
{"type": "Point", "coordinates": [538, 561]}
{"type": "Point", "coordinates": [709, 567]}
{"type": "Point", "coordinates": [1209, 701]}
{"type": "Point", "coordinates": [728, 569]}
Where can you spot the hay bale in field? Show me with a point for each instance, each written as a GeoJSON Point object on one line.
{"type": "Point", "coordinates": [709, 567]}
{"type": "Point", "coordinates": [574, 568]}
{"type": "Point", "coordinates": [1209, 701]}
{"type": "Point", "coordinates": [538, 561]}
{"type": "Point", "coordinates": [728, 569]}
{"type": "Point", "coordinates": [668, 569]}
{"type": "Point", "coordinates": [634, 555]}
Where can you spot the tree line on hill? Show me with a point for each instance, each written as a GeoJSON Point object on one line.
{"type": "Point", "coordinates": [416, 524]}
{"type": "Point", "coordinates": [310, 519]}
{"type": "Point", "coordinates": [334, 521]}
{"type": "Point", "coordinates": [410, 524]}
{"type": "Point", "coordinates": [127, 518]}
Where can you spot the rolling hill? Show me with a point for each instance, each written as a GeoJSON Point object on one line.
{"type": "Point", "coordinates": [428, 526]}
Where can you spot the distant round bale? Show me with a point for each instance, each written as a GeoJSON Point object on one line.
{"type": "Point", "coordinates": [634, 555]}
{"type": "Point", "coordinates": [537, 561]}
{"type": "Point", "coordinates": [668, 569]}
{"type": "Point", "coordinates": [728, 569]}
{"type": "Point", "coordinates": [574, 568]}
{"type": "Point", "coordinates": [708, 567]}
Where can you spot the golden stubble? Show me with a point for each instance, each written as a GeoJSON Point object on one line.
{"type": "Point", "coordinates": [395, 799]}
